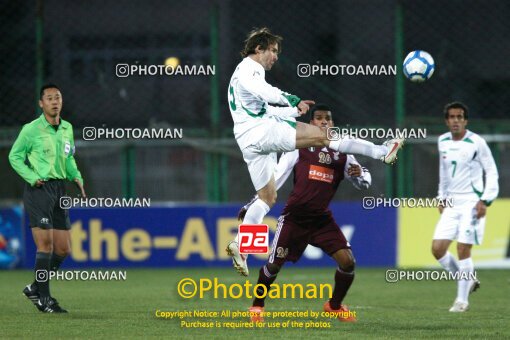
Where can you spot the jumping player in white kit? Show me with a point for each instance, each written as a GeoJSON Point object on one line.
{"type": "Point", "coordinates": [264, 124]}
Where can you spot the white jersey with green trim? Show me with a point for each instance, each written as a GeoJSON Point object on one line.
{"type": "Point", "coordinates": [462, 165]}
{"type": "Point", "coordinates": [249, 98]}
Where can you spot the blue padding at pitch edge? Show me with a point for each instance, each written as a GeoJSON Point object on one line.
{"type": "Point", "coordinates": [12, 243]}
{"type": "Point", "coordinates": [130, 234]}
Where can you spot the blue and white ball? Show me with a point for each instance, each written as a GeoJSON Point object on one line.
{"type": "Point", "coordinates": [418, 66]}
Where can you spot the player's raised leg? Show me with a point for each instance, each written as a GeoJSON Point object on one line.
{"type": "Point", "coordinates": [308, 135]}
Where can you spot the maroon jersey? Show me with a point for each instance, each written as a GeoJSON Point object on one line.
{"type": "Point", "coordinates": [317, 174]}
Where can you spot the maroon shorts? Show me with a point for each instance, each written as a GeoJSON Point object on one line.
{"type": "Point", "coordinates": [293, 234]}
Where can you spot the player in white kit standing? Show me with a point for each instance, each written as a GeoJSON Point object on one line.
{"type": "Point", "coordinates": [464, 157]}
{"type": "Point", "coordinates": [262, 130]}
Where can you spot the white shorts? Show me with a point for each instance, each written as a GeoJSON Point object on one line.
{"type": "Point", "coordinates": [269, 136]}
{"type": "Point", "coordinates": [459, 223]}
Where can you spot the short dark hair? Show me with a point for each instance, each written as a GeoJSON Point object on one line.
{"type": "Point", "coordinates": [455, 105]}
{"type": "Point", "coordinates": [263, 37]}
{"type": "Point", "coordinates": [318, 107]}
{"type": "Point", "coordinates": [47, 86]}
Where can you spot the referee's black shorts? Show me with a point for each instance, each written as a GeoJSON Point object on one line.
{"type": "Point", "coordinates": [43, 205]}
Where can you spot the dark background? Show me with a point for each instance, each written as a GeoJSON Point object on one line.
{"type": "Point", "coordinates": [81, 42]}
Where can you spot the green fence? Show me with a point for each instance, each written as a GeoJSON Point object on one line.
{"type": "Point", "coordinates": [78, 45]}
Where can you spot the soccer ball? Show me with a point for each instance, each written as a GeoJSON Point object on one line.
{"type": "Point", "coordinates": [418, 66]}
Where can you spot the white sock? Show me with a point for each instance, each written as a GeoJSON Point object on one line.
{"type": "Point", "coordinates": [465, 266]}
{"type": "Point", "coordinates": [255, 213]}
{"type": "Point", "coordinates": [449, 263]}
{"type": "Point", "coordinates": [358, 146]}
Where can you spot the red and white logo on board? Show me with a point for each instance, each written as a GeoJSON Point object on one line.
{"type": "Point", "coordinates": [253, 238]}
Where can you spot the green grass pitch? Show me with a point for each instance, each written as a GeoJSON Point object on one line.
{"type": "Point", "coordinates": [126, 309]}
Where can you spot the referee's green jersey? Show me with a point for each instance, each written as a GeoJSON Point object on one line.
{"type": "Point", "coordinates": [50, 153]}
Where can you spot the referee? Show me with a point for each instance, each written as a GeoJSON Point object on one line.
{"type": "Point", "coordinates": [43, 155]}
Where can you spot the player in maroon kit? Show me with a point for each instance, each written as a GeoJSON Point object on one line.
{"type": "Point", "coordinates": [306, 218]}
